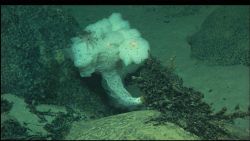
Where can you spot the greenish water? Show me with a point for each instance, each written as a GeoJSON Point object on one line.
{"type": "Point", "coordinates": [207, 47]}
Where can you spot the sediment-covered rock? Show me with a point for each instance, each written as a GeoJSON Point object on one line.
{"type": "Point", "coordinates": [223, 38]}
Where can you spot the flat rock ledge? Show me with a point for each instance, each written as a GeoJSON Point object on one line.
{"type": "Point", "coordinates": [127, 126]}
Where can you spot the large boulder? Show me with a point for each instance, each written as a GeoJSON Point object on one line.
{"type": "Point", "coordinates": [127, 126]}
{"type": "Point", "coordinates": [34, 66]}
{"type": "Point", "coordinates": [223, 38]}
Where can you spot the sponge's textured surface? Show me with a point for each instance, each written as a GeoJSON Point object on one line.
{"type": "Point", "coordinates": [82, 54]}
{"type": "Point", "coordinates": [134, 50]}
{"type": "Point", "coordinates": [101, 27]}
{"type": "Point", "coordinates": [117, 22]}
{"type": "Point", "coordinates": [114, 85]}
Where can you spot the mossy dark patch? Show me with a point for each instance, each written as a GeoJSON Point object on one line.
{"type": "Point", "coordinates": [5, 106]}
{"type": "Point", "coordinates": [164, 91]}
{"type": "Point", "coordinates": [11, 129]}
{"type": "Point", "coordinates": [60, 126]}
{"type": "Point", "coordinates": [30, 37]}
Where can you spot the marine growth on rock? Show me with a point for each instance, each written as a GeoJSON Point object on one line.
{"type": "Point", "coordinates": [164, 91]}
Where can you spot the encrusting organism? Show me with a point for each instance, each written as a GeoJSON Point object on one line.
{"type": "Point", "coordinates": [107, 43]}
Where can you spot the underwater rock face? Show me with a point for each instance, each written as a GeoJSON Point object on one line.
{"type": "Point", "coordinates": [45, 122]}
{"type": "Point", "coordinates": [32, 61]}
{"type": "Point", "coordinates": [127, 126]}
{"type": "Point", "coordinates": [224, 37]}
{"type": "Point", "coordinates": [29, 37]}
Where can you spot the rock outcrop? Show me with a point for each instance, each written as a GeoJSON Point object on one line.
{"type": "Point", "coordinates": [223, 38]}
{"type": "Point", "coordinates": [127, 126]}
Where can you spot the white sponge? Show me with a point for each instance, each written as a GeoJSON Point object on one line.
{"type": "Point", "coordinates": [110, 41]}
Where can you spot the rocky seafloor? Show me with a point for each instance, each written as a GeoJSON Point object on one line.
{"type": "Point", "coordinates": [43, 97]}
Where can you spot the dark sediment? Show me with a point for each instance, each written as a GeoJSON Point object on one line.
{"type": "Point", "coordinates": [164, 91]}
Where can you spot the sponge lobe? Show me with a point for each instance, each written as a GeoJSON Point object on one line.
{"type": "Point", "coordinates": [134, 50]}
{"type": "Point", "coordinates": [130, 33]}
{"type": "Point", "coordinates": [82, 54]}
{"type": "Point", "coordinates": [99, 28]}
{"type": "Point", "coordinates": [113, 38]}
{"type": "Point", "coordinates": [117, 22]}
